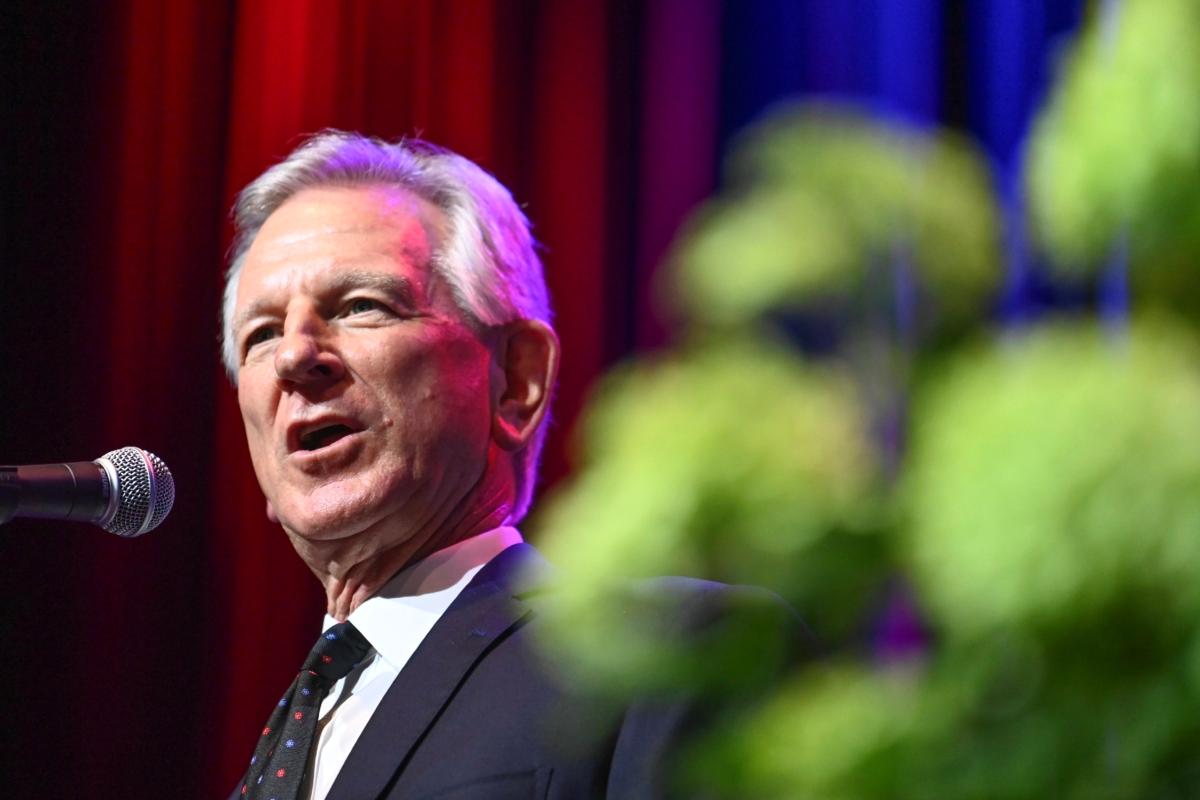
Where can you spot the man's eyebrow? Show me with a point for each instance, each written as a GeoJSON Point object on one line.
{"type": "Point", "coordinates": [248, 313]}
{"type": "Point", "coordinates": [396, 286]}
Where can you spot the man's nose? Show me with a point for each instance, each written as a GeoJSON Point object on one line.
{"type": "Point", "coordinates": [305, 355]}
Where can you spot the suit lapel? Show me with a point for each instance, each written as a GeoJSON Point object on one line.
{"type": "Point", "coordinates": [484, 611]}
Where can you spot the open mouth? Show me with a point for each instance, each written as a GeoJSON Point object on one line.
{"type": "Point", "coordinates": [324, 436]}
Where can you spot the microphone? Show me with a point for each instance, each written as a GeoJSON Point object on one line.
{"type": "Point", "coordinates": [127, 492]}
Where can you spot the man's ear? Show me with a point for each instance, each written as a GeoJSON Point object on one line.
{"type": "Point", "coordinates": [526, 365]}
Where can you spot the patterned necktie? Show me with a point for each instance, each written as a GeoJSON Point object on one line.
{"type": "Point", "coordinates": [277, 769]}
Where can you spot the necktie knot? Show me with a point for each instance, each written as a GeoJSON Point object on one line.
{"type": "Point", "coordinates": [337, 652]}
{"type": "Point", "coordinates": [277, 768]}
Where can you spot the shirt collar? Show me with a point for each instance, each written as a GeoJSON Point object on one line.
{"type": "Point", "coordinates": [417, 596]}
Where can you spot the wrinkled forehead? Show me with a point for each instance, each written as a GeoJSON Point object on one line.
{"type": "Point", "coordinates": [327, 230]}
{"type": "Point", "coordinates": [327, 218]}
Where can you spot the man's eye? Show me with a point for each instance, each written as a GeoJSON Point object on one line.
{"type": "Point", "coordinates": [260, 335]}
{"type": "Point", "coordinates": [362, 305]}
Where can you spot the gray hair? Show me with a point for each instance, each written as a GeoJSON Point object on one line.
{"type": "Point", "coordinates": [488, 260]}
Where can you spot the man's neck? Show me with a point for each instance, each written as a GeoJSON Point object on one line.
{"type": "Point", "coordinates": [351, 574]}
{"type": "Point", "coordinates": [347, 589]}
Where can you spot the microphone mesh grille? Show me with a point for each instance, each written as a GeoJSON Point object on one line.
{"type": "Point", "coordinates": [147, 491]}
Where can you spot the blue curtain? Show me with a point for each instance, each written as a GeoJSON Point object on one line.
{"type": "Point", "coordinates": [981, 67]}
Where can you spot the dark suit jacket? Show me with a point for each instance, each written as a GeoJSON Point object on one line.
{"type": "Point", "coordinates": [478, 713]}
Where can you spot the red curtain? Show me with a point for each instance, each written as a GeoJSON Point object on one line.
{"type": "Point", "coordinates": [147, 666]}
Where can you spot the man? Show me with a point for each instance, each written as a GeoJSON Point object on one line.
{"type": "Point", "coordinates": [387, 327]}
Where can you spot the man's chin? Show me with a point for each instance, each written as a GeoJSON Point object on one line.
{"type": "Point", "coordinates": [328, 512]}
{"type": "Point", "coordinates": [315, 529]}
{"type": "Point", "coordinates": [315, 523]}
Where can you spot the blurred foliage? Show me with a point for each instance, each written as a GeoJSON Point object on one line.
{"type": "Point", "coordinates": [823, 205]}
{"type": "Point", "coordinates": [738, 463]}
{"type": "Point", "coordinates": [1038, 496]}
{"type": "Point", "coordinates": [1054, 535]}
{"type": "Point", "coordinates": [1074, 463]}
{"type": "Point", "coordinates": [996, 720]}
{"type": "Point", "coordinates": [1118, 148]}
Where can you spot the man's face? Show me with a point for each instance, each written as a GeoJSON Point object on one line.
{"type": "Point", "coordinates": [364, 392]}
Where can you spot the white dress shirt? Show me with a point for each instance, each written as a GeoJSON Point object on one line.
{"type": "Point", "coordinates": [395, 620]}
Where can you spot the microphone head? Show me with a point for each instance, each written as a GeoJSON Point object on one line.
{"type": "Point", "coordinates": [141, 494]}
